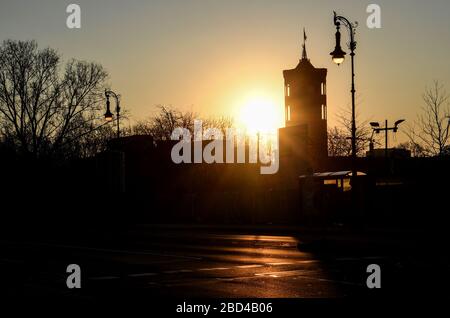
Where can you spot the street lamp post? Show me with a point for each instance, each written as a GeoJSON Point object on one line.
{"type": "Point", "coordinates": [338, 56]}
{"type": "Point", "coordinates": [448, 126]}
{"type": "Point", "coordinates": [371, 143]}
{"type": "Point", "coordinates": [377, 129]}
{"type": "Point", "coordinates": [108, 114]}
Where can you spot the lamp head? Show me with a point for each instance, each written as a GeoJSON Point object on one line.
{"type": "Point", "coordinates": [108, 114]}
{"type": "Point", "coordinates": [398, 122]}
{"type": "Point", "coordinates": [338, 55]}
{"type": "Point", "coordinates": [374, 124]}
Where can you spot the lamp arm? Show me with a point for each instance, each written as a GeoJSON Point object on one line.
{"type": "Point", "coordinates": [351, 27]}
{"type": "Point", "coordinates": [117, 97]}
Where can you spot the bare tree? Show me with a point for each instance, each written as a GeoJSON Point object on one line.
{"type": "Point", "coordinates": [161, 126]}
{"type": "Point", "coordinates": [338, 143]}
{"type": "Point", "coordinates": [415, 149]}
{"type": "Point", "coordinates": [339, 138]}
{"type": "Point", "coordinates": [41, 110]}
{"type": "Point", "coordinates": [431, 129]}
{"type": "Point", "coordinates": [221, 123]}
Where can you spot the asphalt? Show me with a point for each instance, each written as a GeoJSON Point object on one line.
{"type": "Point", "coordinates": [185, 262]}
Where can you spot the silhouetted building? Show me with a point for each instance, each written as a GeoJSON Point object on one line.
{"type": "Point", "coordinates": [306, 105]}
{"type": "Point", "coordinates": [393, 153]}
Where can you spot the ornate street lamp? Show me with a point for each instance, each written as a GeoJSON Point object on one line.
{"type": "Point", "coordinates": [338, 56]}
{"type": "Point", "coordinates": [108, 114]}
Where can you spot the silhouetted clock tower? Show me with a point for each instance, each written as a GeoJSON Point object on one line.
{"type": "Point", "coordinates": [306, 103]}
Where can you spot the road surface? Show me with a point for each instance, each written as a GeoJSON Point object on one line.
{"type": "Point", "coordinates": [190, 262]}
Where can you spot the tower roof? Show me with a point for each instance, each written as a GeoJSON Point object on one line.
{"type": "Point", "coordinates": [304, 65]}
{"type": "Point", "coordinates": [304, 61]}
{"type": "Point", "coordinates": [304, 55]}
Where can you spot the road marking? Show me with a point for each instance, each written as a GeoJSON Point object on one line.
{"type": "Point", "coordinates": [142, 274]}
{"type": "Point", "coordinates": [96, 249]}
{"type": "Point", "coordinates": [301, 274]}
{"type": "Point", "coordinates": [178, 271]}
{"type": "Point", "coordinates": [307, 261]}
{"type": "Point", "coordinates": [347, 259]}
{"type": "Point", "coordinates": [214, 269]}
{"type": "Point", "coordinates": [104, 278]}
{"type": "Point", "coordinates": [279, 263]}
{"type": "Point", "coordinates": [249, 266]}
{"type": "Point", "coordinates": [282, 273]}
{"type": "Point", "coordinates": [359, 258]}
{"type": "Point", "coordinates": [292, 263]}
{"type": "Point", "coordinates": [8, 260]}
{"type": "Point", "coordinates": [374, 257]}
{"type": "Point", "coordinates": [330, 280]}
{"type": "Point", "coordinates": [226, 279]}
{"type": "Point", "coordinates": [271, 274]}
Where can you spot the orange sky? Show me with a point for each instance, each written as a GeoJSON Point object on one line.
{"type": "Point", "coordinates": [209, 56]}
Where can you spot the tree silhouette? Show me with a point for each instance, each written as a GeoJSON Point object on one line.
{"type": "Point", "coordinates": [339, 142]}
{"type": "Point", "coordinates": [431, 129]}
{"type": "Point", "coordinates": [41, 110]}
{"type": "Point", "coordinates": [161, 126]}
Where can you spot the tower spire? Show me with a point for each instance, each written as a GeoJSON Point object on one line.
{"type": "Point", "coordinates": [304, 55]}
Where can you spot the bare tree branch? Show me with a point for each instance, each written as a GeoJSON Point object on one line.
{"type": "Point", "coordinates": [41, 108]}
{"type": "Point", "coordinates": [430, 131]}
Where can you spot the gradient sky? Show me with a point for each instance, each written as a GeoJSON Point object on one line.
{"type": "Point", "coordinates": [208, 55]}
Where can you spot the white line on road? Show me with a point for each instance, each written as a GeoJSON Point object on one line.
{"type": "Point", "coordinates": [214, 269]}
{"type": "Point", "coordinates": [96, 249]}
{"type": "Point", "coordinates": [266, 274]}
{"type": "Point", "coordinates": [347, 259]}
{"type": "Point", "coordinates": [307, 261]}
{"type": "Point", "coordinates": [282, 273]}
{"type": "Point", "coordinates": [8, 260]}
{"type": "Point", "coordinates": [104, 278]}
{"type": "Point", "coordinates": [142, 274]}
{"type": "Point", "coordinates": [249, 266]}
{"type": "Point", "coordinates": [271, 274]}
{"type": "Point", "coordinates": [301, 274]}
{"type": "Point", "coordinates": [178, 271]}
{"type": "Point", "coordinates": [330, 280]}
{"type": "Point", "coordinates": [360, 258]}
{"type": "Point", "coordinates": [374, 257]}
{"type": "Point", "coordinates": [279, 263]}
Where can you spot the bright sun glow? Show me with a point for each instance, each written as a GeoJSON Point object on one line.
{"type": "Point", "coordinates": [260, 114]}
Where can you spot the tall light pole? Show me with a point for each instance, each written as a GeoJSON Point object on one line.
{"type": "Point", "coordinates": [446, 130]}
{"type": "Point", "coordinates": [338, 56]}
{"type": "Point", "coordinates": [377, 129]}
{"type": "Point", "coordinates": [108, 114]}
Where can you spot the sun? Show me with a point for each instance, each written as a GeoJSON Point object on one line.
{"type": "Point", "coordinates": [260, 113]}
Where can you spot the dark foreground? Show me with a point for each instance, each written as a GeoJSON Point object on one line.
{"type": "Point", "coordinates": [184, 262]}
